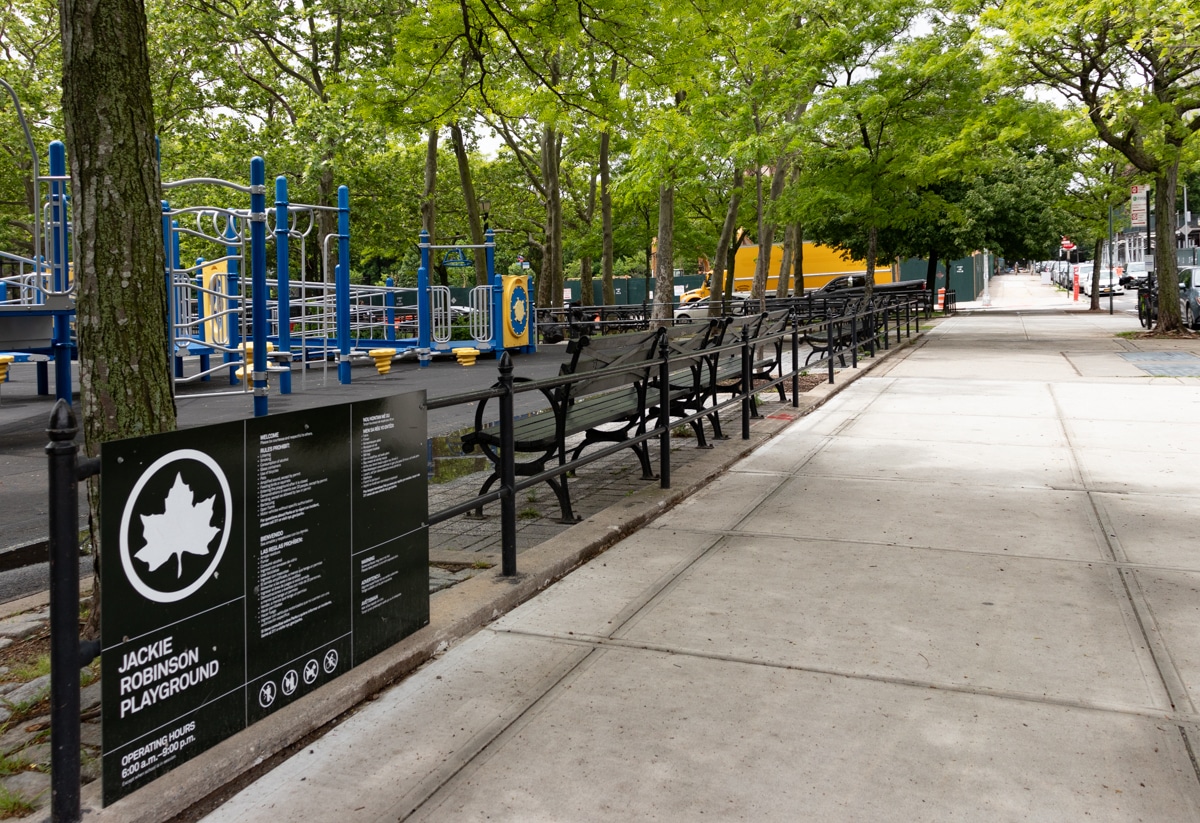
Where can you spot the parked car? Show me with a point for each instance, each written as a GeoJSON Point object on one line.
{"type": "Point", "coordinates": [698, 309]}
{"type": "Point", "coordinates": [841, 283]}
{"type": "Point", "coordinates": [1085, 276]}
{"type": "Point", "coordinates": [1189, 296]}
{"type": "Point", "coordinates": [1109, 284]}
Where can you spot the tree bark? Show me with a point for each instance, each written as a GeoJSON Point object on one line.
{"type": "Point", "coordinates": [785, 267]}
{"type": "Point", "coordinates": [117, 242]}
{"type": "Point", "coordinates": [1094, 302]}
{"type": "Point", "coordinates": [872, 253]}
{"type": "Point", "coordinates": [472, 203]}
{"type": "Point", "coordinates": [553, 263]}
{"type": "Point", "coordinates": [931, 271]}
{"type": "Point", "coordinates": [723, 260]}
{"type": "Point", "coordinates": [429, 201]}
{"type": "Point", "coordinates": [766, 231]}
{"type": "Point", "coordinates": [326, 220]}
{"type": "Point", "coordinates": [585, 281]}
{"type": "Point", "coordinates": [799, 276]}
{"type": "Point", "coordinates": [606, 225]}
{"type": "Point", "coordinates": [664, 270]}
{"type": "Point", "coordinates": [1165, 264]}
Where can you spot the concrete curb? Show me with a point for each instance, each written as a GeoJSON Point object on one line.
{"type": "Point", "coordinates": [454, 613]}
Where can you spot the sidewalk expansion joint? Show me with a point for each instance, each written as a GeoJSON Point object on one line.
{"type": "Point", "coordinates": [600, 641]}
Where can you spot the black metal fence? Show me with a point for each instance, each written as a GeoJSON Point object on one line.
{"type": "Point", "coordinates": [571, 321]}
{"type": "Point", "coordinates": [846, 328]}
{"type": "Point", "coordinates": [867, 329]}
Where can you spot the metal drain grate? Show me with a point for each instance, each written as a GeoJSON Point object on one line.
{"type": "Point", "coordinates": [1158, 356]}
{"type": "Point", "coordinates": [1165, 363]}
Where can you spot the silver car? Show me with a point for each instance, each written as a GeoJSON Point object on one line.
{"type": "Point", "coordinates": [1189, 296]}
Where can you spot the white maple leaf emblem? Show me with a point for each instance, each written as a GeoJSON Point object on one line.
{"type": "Point", "coordinates": [184, 526]}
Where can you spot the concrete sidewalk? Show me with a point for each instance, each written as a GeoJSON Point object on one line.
{"type": "Point", "coordinates": [963, 589]}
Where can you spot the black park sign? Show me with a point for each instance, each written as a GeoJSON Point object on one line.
{"type": "Point", "coordinates": [249, 563]}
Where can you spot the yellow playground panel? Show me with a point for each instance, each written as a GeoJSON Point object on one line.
{"type": "Point", "coordinates": [215, 278]}
{"type": "Point", "coordinates": [517, 310]}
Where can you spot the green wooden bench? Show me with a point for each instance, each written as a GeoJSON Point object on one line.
{"type": "Point", "coordinates": [726, 376]}
{"type": "Point", "coordinates": [603, 406]}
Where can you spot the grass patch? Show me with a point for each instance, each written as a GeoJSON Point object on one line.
{"type": "Point", "coordinates": [12, 806]}
{"type": "Point", "coordinates": [31, 670]}
{"type": "Point", "coordinates": [529, 514]}
{"type": "Point", "coordinates": [12, 764]}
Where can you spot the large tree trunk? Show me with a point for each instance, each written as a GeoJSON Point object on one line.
{"type": "Point", "coordinates": [1094, 302]}
{"type": "Point", "coordinates": [606, 226]}
{"type": "Point", "coordinates": [1165, 264]}
{"type": "Point", "coordinates": [468, 190]}
{"type": "Point", "coordinates": [585, 281]}
{"type": "Point", "coordinates": [326, 219]}
{"type": "Point", "coordinates": [664, 270]}
{"type": "Point", "coordinates": [785, 267]}
{"type": "Point", "coordinates": [799, 266]}
{"type": "Point", "coordinates": [429, 196]}
{"type": "Point", "coordinates": [872, 253]}
{"type": "Point", "coordinates": [723, 260]}
{"type": "Point", "coordinates": [121, 297]}
{"type": "Point", "coordinates": [429, 202]}
{"type": "Point", "coordinates": [552, 264]}
{"type": "Point", "coordinates": [766, 233]}
{"type": "Point", "coordinates": [931, 271]}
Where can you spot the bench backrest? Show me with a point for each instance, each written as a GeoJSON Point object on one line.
{"type": "Point", "coordinates": [590, 355]}
{"type": "Point", "coordinates": [690, 338]}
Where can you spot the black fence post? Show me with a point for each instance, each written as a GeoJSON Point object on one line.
{"type": "Point", "coordinates": [747, 382]}
{"type": "Point", "coordinates": [855, 317]}
{"type": "Point", "coordinates": [829, 343]}
{"type": "Point", "coordinates": [664, 414]}
{"type": "Point", "coordinates": [62, 452]}
{"type": "Point", "coordinates": [887, 309]}
{"type": "Point", "coordinates": [795, 360]}
{"type": "Point", "coordinates": [508, 472]}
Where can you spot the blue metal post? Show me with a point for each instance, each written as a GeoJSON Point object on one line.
{"type": "Point", "coordinates": [498, 309]}
{"type": "Point", "coordinates": [175, 296]}
{"type": "Point", "coordinates": [389, 313]}
{"type": "Point", "coordinates": [201, 326]}
{"type": "Point", "coordinates": [60, 261]}
{"type": "Point", "coordinates": [258, 280]}
{"type": "Point", "coordinates": [424, 308]}
{"type": "Point", "coordinates": [169, 280]}
{"type": "Point", "coordinates": [343, 285]}
{"type": "Point", "coordinates": [282, 277]}
{"type": "Point", "coordinates": [233, 271]}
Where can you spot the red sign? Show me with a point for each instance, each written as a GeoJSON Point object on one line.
{"type": "Point", "coordinates": [1067, 244]}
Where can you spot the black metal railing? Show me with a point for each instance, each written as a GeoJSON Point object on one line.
{"type": "Point", "coordinates": [569, 322]}
{"type": "Point", "coordinates": [847, 329]}
{"type": "Point", "coordinates": [871, 325]}
{"type": "Point", "coordinates": [67, 653]}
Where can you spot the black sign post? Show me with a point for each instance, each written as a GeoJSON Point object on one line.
{"type": "Point", "coordinates": [255, 561]}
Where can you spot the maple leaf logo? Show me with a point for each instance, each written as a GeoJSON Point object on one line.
{"type": "Point", "coordinates": [185, 526]}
